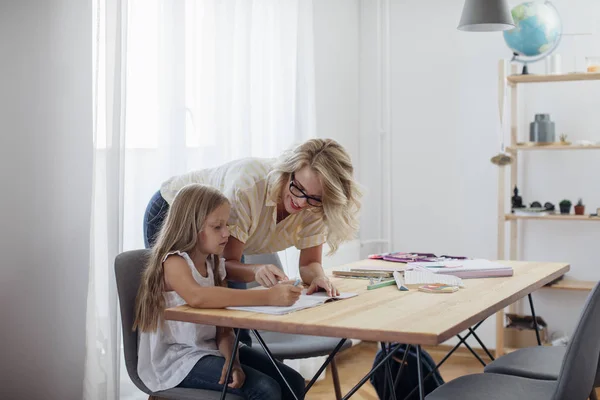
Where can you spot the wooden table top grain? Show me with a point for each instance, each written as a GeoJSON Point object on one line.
{"type": "Point", "coordinates": [387, 314]}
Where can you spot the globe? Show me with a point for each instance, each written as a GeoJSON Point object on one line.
{"type": "Point", "coordinates": [537, 31]}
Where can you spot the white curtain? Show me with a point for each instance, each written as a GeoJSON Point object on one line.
{"type": "Point", "coordinates": [182, 85]}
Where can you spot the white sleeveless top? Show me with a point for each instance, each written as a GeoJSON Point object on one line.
{"type": "Point", "coordinates": [166, 356]}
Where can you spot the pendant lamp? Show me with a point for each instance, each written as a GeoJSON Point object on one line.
{"type": "Point", "coordinates": [486, 16]}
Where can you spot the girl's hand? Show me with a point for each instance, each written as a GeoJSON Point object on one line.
{"type": "Point", "coordinates": [284, 294]}
{"type": "Point", "coordinates": [269, 275]}
{"type": "Point", "coordinates": [324, 283]}
{"type": "Point", "coordinates": [237, 376]}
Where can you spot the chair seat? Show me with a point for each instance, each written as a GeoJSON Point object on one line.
{"type": "Point", "coordinates": [538, 362]}
{"type": "Point", "coordinates": [494, 387]}
{"type": "Point", "coordinates": [194, 394]}
{"type": "Point", "coordinates": [287, 346]}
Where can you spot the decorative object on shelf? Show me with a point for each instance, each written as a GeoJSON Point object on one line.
{"type": "Point", "coordinates": [501, 159]}
{"type": "Point", "coordinates": [579, 208]}
{"type": "Point", "coordinates": [517, 201]}
{"type": "Point", "coordinates": [536, 204]}
{"type": "Point", "coordinates": [584, 142]}
{"type": "Point", "coordinates": [549, 206]}
{"type": "Point", "coordinates": [486, 16]}
{"type": "Point", "coordinates": [565, 206]}
{"type": "Point", "coordinates": [541, 130]}
{"type": "Point", "coordinates": [553, 64]}
{"type": "Point", "coordinates": [592, 64]}
{"type": "Point", "coordinates": [537, 34]}
{"type": "Point", "coordinates": [563, 139]}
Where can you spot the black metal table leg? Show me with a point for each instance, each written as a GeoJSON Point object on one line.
{"type": "Point", "coordinates": [535, 324]}
{"type": "Point", "coordinates": [399, 375]}
{"type": "Point", "coordinates": [481, 344]}
{"type": "Point", "coordinates": [325, 364]}
{"type": "Point", "coordinates": [389, 381]}
{"type": "Point", "coordinates": [420, 374]}
{"type": "Point", "coordinates": [268, 352]}
{"type": "Point", "coordinates": [375, 368]}
{"type": "Point", "coordinates": [230, 365]}
{"type": "Point", "coordinates": [472, 351]}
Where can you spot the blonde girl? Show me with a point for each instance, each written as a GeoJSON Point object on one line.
{"type": "Point", "coordinates": [185, 267]}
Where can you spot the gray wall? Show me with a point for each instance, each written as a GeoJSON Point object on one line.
{"type": "Point", "coordinates": [45, 179]}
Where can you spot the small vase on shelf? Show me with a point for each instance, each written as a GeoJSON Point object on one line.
{"type": "Point", "coordinates": [579, 208]}
{"type": "Point", "coordinates": [541, 130]}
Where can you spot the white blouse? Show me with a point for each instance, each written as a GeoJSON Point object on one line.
{"type": "Point", "coordinates": [166, 356]}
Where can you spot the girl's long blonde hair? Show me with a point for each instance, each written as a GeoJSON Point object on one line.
{"type": "Point", "coordinates": [185, 219]}
{"type": "Point", "coordinates": [341, 193]}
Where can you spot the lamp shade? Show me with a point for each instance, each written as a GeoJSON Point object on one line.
{"type": "Point", "coordinates": [486, 16]}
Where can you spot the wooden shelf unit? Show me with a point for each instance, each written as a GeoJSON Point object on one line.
{"type": "Point", "coordinates": [516, 146]}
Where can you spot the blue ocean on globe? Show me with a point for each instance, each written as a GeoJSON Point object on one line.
{"type": "Point", "coordinates": [537, 30]}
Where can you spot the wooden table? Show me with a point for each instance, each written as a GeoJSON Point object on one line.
{"type": "Point", "coordinates": [389, 315]}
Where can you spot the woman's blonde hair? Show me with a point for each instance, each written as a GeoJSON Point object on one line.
{"type": "Point", "coordinates": [341, 193]}
{"type": "Point", "coordinates": [185, 219]}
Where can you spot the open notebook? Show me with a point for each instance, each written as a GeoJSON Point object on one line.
{"type": "Point", "coordinates": [305, 301]}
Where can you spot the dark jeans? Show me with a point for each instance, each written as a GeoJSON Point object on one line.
{"type": "Point", "coordinates": [155, 214]}
{"type": "Point", "coordinates": [262, 379]}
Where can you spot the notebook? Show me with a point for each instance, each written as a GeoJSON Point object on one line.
{"type": "Point", "coordinates": [465, 269]}
{"type": "Point", "coordinates": [305, 301]}
{"type": "Point", "coordinates": [421, 277]}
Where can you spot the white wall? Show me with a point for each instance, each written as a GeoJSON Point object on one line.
{"type": "Point", "coordinates": [46, 142]}
{"type": "Point", "coordinates": [336, 33]}
{"type": "Point", "coordinates": [445, 129]}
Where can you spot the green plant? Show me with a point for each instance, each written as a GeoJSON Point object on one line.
{"type": "Point", "coordinates": [565, 203]}
{"type": "Point", "coordinates": [580, 202]}
{"type": "Point", "coordinates": [563, 137]}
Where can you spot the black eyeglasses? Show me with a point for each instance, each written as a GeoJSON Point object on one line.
{"type": "Point", "coordinates": [297, 192]}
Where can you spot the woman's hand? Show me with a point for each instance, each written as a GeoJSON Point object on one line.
{"type": "Point", "coordinates": [324, 283]}
{"type": "Point", "coordinates": [269, 275]}
{"type": "Point", "coordinates": [237, 376]}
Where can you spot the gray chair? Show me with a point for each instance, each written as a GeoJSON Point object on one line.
{"type": "Point", "coordinates": [539, 362]}
{"type": "Point", "coordinates": [575, 378]}
{"type": "Point", "coordinates": [285, 346]}
{"type": "Point", "coordinates": [128, 270]}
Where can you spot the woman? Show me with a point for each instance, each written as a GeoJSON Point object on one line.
{"type": "Point", "coordinates": [306, 198]}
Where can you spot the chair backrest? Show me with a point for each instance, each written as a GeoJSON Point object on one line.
{"type": "Point", "coordinates": [580, 365]}
{"type": "Point", "coordinates": [268, 258]}
{"type": "Point", "coordinates": [129, 266]}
